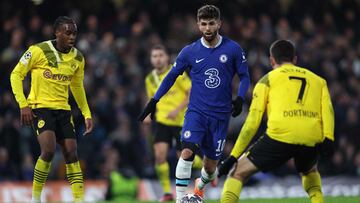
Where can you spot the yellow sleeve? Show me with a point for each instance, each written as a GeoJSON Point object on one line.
{"type": "Point", "coordinates": [149, 90]}
{"type": "Point", "coordinates": [253, 120]}
{"type": "Point", "coordinates": [26, 62]}
{"type": "Point", "coordinates": [78, 90]}
{"type": "Point", "coordinates": [327, 114]}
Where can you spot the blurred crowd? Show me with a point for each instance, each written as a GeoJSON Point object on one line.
{"type": "Point", "coordinates": [115, 36]}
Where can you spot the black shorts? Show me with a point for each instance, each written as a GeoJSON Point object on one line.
{"type": "Point", "coordinates": [267, 154]}
{"type": "Point", "coordinates": [165, 133]}
{"type": "Point", "coordinates": [59, 121]}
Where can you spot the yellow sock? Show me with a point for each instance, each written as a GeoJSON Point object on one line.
{"type": "Point", "coordinates": [163, 172]}
{"type": "Point", "coordinates": [41, 172]}
{"type": "Point", "coordinates": [198, 162]}
{"type": "Point", "coordinates": [75, 177]}
{"type": "Point", "coordinates": [312, 185]}
{"type": "Point", "coordinates": [231, 191]}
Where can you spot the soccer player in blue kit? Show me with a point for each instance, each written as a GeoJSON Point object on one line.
{"type": "Point", "coordinates": [213, 61]}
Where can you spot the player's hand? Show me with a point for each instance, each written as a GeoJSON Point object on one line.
{"type": "Point", "coordinates": [149, 109]}
{"type": "Point", "coordinates": [89, 126]}
{"type": "Point", "coordinates": [326, 148]}
{"type": "Point", "coordinates": [226, 165]}
{"type": "Point", "coordinates": [172, 115]}
{"type": "Point", "coordinates": [26, 116]}
{"type": "Point", "coordinates": [147, 120]}
{"type": "Point", "coordinates": [237, 106]}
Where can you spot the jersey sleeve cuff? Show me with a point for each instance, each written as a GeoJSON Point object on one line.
{"type": "Point", "coordinates": [23, 104]}
{"type": "Point", "coordinates": [87, 117]}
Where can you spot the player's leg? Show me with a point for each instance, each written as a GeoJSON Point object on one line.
{"type": "Point", "coordinates": [265, 155]}
{"type": "Point", "coordinates": [306, 164]}
{"type": "Point", "coordinates": [44, 129]}
{"type": "Point", "coordinates": [183, 168]}
{"type": "Point", "coordinates": [311, 181]}
{"type": "Point", "coordinates": [67, 140]}
{"type": "Point", "coordinates": [244, 169]}
{"type": "Point", "coordinates": [212, 146]}
{"type": "Point", "coordinates": [198, 161]}
{"type": "Point", "coordinates": [208, 174]}
{"type": "Point", "coordinates": [163, 139]}
{"type": "Point", "coordinates": [192, 134]}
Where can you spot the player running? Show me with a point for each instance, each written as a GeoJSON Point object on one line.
{"type": "Point", "coordinates": [54, 65]}
{"type": "Point", "coordinates": [300, 124]}
{"type": "Point", "coordinates": [169, 117]}
{"type": "Point", "coordinates": [213, 61]}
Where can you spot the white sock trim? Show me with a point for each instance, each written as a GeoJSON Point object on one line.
{"type": "Point", "coordinates": [206, 178]}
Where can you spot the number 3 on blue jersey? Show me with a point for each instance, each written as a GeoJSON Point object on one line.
{"type": "Point", "coordinates": [213, 81]}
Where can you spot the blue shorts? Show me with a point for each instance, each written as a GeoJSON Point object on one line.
{"type": "Point", "coordinates": [207, 132]}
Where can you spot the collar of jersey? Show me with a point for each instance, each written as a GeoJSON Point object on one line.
{"type": "Point", "coordinates": [286, 65]}
{"type": "Point", "coordinates": [204, 44]}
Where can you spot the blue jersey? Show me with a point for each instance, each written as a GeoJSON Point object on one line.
{"type": "Point", "coordinates": [211, 72]}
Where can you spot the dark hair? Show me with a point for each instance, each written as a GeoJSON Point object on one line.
{"type": "Point", "coordinates": [282, 51]}
{"type": "Point", "coordinates": [208, 12]}
{"type": "Point", "coordinates": [159, 47]}
{"type": "Point", "coordinates": [61, 20]}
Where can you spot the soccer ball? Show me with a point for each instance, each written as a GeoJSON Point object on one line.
{"type": "Point", "coordinates": [191, 198]}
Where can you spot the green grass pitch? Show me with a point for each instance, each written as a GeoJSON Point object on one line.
{"type": "Point", "coordinates": [287, 200]}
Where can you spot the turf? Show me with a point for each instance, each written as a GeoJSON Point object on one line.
{"type": "Point", "coordinates": [287, 200]}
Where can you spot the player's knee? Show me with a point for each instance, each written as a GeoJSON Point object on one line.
{"type": "Point", "coordinates": [188, 151]}
{"type": "Point", "coordinates": [312, 170]}
{"type": "Point", "coordinates": [160, 155]}
{"type": "Point", "coordinates": [47, 154]}
{"type": "Point", "coordinates": [70, 155]}
{"type": "Point", "coordinates": [240, 174]}
{"type": "Point", "coordinates": [187, 154]}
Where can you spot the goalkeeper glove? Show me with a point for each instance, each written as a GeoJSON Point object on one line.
{"type": "Point", "coordinates": [149, 109]}
{"type": "Point", "coordinates": [326, 148]}
{"type": "Point", "coordinates": [226, 165]}
{"type": "Point", "coordinates": [237, 106]}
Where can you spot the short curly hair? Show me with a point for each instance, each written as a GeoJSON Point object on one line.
{"type": "Point", "coordinates": [208, 12]}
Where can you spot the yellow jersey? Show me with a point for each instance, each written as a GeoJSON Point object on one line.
{"type": "Point", "coordinates": [177, 94]}
{"type": "Point", "coordinates": [298, 106]}
{"type": "Point", "coordinates": [52, 72]}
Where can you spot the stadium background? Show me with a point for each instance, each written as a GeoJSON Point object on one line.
{"type": "Point", "coordinates": [115, 37]}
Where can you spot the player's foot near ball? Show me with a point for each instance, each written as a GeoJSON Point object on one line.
{"type": "Point", "coordinates": [167, 197]}
{"type": "Point", "coordinates": [197, 191]}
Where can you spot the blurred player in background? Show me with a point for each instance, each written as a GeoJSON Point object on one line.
{"type": "Point", "coordinates": [213, 61]}
{"type": "Point", "coordinates": [300, 124]}
{"type": "Point", "coordinates": [169, 117]}
{"type": "Point", "coordinates": [54, 65]}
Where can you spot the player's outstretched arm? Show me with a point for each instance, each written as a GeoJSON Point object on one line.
{"type": "Point", "coordinates": [250, 127]}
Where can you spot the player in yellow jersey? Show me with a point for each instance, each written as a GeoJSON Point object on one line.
{"type": "Point", "coordinates": [300, 125]}
{"type": "Point", "coordinates": [55, 66]}
{"type": "Point", "coordinates": [170, 113]}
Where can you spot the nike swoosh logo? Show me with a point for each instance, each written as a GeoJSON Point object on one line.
{"type": "Point", "coordinates": [218, 154]}
{"type": "Point", "coordinates": [198, 61]}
